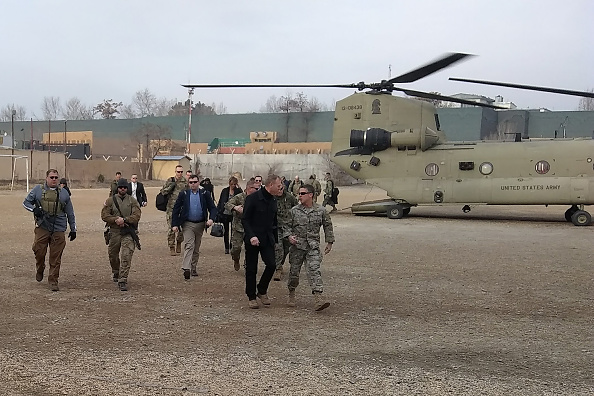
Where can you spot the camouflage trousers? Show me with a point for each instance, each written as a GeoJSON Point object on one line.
{"type": "Point", "coordinates": [56, 243]}
{"type": "Point", "coordinates": [236, 244]}
{"type": "Point", "coordinates": [313, 260]}
{"type": "Point", "coordinates": [281, 249]}
{"type": "Point", "coordinates": [125, 246]}
{"type": "Point", "coordinates": [171, 236]}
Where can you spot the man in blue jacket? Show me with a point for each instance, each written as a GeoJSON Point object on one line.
{"type": "Point", "coordinates": [194, 211]}
{"type": "Point", "coordinates": [53, 211]}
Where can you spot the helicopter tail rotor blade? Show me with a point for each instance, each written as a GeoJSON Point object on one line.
{"type": "Point", "coordinates": [528, 87]}
{"type": "Point", "coordinates": [424, 71]}
{"type": "Point", "coordinates": [429, 95]}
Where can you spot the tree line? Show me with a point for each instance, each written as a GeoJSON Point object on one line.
{"type": "Point", "coordinates": [146, 104]}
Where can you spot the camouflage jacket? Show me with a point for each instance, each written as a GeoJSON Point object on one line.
{"type": "Point", "coordinates": [316, 185]}
{"type": "Point", "coordinates": [236, 200]}
{"type": "Point", "coordinates": [305, 225]}
{"type": "Point", "coordinates": [284, 203]}
{"type": "Point", "coordinates": [172, 189]}
{"type": "Point", "coordinates": [329, 187]}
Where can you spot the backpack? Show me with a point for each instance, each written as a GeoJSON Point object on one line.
{"type": "Point", "coordinates": [335, 192]}
{"type": "Point", "coordinates": [161, 200]}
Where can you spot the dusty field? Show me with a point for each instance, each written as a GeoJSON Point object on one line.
{"type": "Point", "coordinates": [495, 302]}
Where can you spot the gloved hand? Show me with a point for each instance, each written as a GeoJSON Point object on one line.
{"type": "Point", "coordinates": [37, 212]}
{"type": "Point", "coordinates": [72, 235]}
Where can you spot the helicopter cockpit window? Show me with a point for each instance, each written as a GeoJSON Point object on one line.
{"type": "Point", "coordinates": [437, 122]}
{"type": "Point", "coordinates": [542, 167]}
{"type": "Point", "coordinates": [432, 169]}
{"type": "Point", "coordinates": [486, 168]}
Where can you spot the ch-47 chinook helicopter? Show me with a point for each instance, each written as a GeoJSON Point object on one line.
{"type": "Point", "coordinates": [396, 144]}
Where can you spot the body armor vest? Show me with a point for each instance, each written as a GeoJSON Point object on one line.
{"type": "Point", "coordinates": [50, 202]}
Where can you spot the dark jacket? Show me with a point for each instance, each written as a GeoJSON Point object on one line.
{"type": "Point", "coordinates": [140, 193]}
{"type": "Point", "coordinates": [260, 217]}
{"type": "Point", "coordinates": [223, 199]}
{"type": "Point", "coordinates": [208, 186]}
{"type": "Point", "coordinates": [182, 204]}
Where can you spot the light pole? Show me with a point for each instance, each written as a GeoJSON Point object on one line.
{"type": "Point", "coordinates": [190, 93]}
{"type": "Point", "coordinates": [12, 114]}
{"type": "Point", "coordinates": [65, 121]}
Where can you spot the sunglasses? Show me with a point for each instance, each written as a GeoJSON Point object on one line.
{"type": "Point", "coordinates": [54, 177]}
{"type": "Point", "coordinates": [179, 171]}
{"type": "Point", "coordinates": [123, 187]}
{"type": "Point", "coordinates": [193, 182]}
{"type": "Point", "coordinates": [258, 180]}
{"type": "Point", "coordinates": [303, 193]}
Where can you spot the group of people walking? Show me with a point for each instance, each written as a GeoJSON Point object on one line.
{"type": "Point", "coordinates": [270, 219]}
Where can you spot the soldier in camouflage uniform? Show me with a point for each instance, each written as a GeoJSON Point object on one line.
{"type": "Point", "coordinates": [284, 203]}
{"type": "Point", "coordinates": [171, 189]}
{"type": "Point", "coordinates": [235, 206]}
{"type": "Point", "coordinates": [122, 222]}
{"type": "Point", "coordinates": [306, 220]}
{"type": "Point", "coordinates": [316, 185]}
{"type": "Point", "coordinates": [113, 188]}
{"type": "Point", "coordinates": [329, 193]}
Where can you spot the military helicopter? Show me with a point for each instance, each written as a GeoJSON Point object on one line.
{"type": "Point", "coordinates": [396, 144]}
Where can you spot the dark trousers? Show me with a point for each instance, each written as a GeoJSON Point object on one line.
{"type": "Point", "coordinates": [251, 269]}
{"type": "Point", "coordinates": [226, 227]}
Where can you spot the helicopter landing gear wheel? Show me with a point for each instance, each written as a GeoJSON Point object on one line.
{"type": "Point", "coordinates": [396, 211]}
{"type": "Point", "coordinates": [581, 218]}
{"type": "Point", "coordinates": [569, 212]}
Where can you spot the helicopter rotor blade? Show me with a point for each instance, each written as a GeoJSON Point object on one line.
{"type": "Point", "coordinates": [428, 95]}
{"type": "Point", "coordinates": [355, 86]}
{"type": "Point", "coordinates": [423, 71]}
{"type": "Point", "coordinates": [528, 87]}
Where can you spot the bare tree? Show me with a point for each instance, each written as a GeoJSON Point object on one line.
{"type": "Point", "coordinates": [151, 140]}
{"type": "Point", "coordinates": [51, 107]}
{"type": "Point", "coordinates": [144, 103]}
{"type": "Point", "coordinates": [179, 109]}
{"type": "Point", "coordinates": [127, 111]}
{"type": "Point", "coordinates": [271, 105]}
{"type": "Point", "coordinates": [587, 104]}
{"type": "Point", "coordinates": [75, 110]}
{"type": "Point", "coordinates": [220, 108]}
{"type": "Point", "coordinates": [6, 113]}
{"type": "Point", "coordinates": [108, 109]}
{"type": "Point", "coordinates": [162, 107]}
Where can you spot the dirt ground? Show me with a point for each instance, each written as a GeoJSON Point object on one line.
{"type": "Point", "coordinates": [498, 301]}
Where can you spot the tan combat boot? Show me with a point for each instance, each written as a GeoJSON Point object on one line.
{"type": "Point", "coordinates": [321, 302]}
{"type": "Point", "coordinates": [291, 302]}
{"type": "Point", "coordinates": [278, 274]}
{"type": "Point", "coordinates": [178, 248]}
{"type": "Point", "coordinates": [172, 251]}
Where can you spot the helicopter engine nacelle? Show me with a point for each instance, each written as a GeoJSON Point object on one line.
{"type": "Point", "coordinates": [378, 139]}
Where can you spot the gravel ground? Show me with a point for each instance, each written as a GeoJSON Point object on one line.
{"type": "Point", "coordinates": [494, 302]}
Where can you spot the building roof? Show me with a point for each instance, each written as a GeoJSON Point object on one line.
{"type": "Point", "coordinates": [170, 157]}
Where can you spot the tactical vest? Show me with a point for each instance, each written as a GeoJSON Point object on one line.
{"type": "Point", "coordinates": [50, 201]}
{"type": "Point", "coordinates": [125, 206]}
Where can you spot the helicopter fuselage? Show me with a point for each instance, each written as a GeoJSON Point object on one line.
{"type": "Point", "coordinates": [395, 143]}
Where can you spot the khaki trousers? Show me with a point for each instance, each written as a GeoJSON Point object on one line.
{"type": "Point", "coordinates": [56, 242]}
{"type": "Point", "coordinates": [192, 234]}
{"type": "Point", "coordinates": [125, 246]}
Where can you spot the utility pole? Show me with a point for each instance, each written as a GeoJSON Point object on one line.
{"type": "Point", "coordinates": [49, 142]}
{"type": "Point", "coordinates": [190, 93]}
{"type": "Point", "coordinates": [65, 121]}
{"type": "Point", "coordinates": [12, 114]}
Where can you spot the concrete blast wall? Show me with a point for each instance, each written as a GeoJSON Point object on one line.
{"type": "Point", "coordinates": [221, 166]}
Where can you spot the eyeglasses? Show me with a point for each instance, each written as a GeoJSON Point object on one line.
{"type": "Point", "coordinates": [54, 177]}
{"type": "Point", "coordinates": [179, 171]}
{"type": "Point", "coordinates": [258, 180]}
{"type": "Point", "coordinates": [123, 187]}
{"type": "Point", "coordinates": [303, 193]}
{"type": "Point", "coordinates": [134, 178]}
{"type": "Point", "coordinates": [193, 182]}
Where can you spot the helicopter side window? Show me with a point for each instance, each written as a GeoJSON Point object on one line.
{"type": "Point", "coordinates": [432, 169]}
{"type": "Point", "coordinates": [437, 122]}
{"type": "Point", "coordinates": [542, 167]}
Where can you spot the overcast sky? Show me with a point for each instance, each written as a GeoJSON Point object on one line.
{"type": "Point", "coordinates": [110, 49]}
